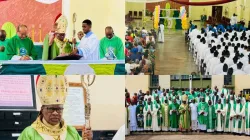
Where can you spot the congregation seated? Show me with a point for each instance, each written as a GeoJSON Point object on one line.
{"type": "Point", "coordinates": [139, 51]}
{"type": "Point", "coordinates": [215, 46]}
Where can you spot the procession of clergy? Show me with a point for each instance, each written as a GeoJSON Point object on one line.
{"type": "Point", "coordinates": [220, 50]}
{"type": "Point", "coordinates": [21, 47]}
{"type": "Point", "coordinates": [201, 110]}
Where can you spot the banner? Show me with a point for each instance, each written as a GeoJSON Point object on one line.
{"type": "Point", "coordinates": [47, 1]}
{"type": "Point", "coordinates": [206, 3]}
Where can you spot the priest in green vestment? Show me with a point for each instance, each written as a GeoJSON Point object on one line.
{"type": "Point", "coordinates": [165, 115]}
{"type": "Point", "coordinates": [219, 116]}
{"type": "Point", "coordinates": [139, 116]}
{"type": "Point", "coordinates": [226, 113]}
{"type": "Point", "coordinates": [20, 47]}
{"type": "Point", "coordinates": [174, 115]}
{"type": "Point", "coordinates": [237, 116]}
{"type": "Point", "coordinates": [148, 114]}
{"type": "Point", "coordinates": [111, 46]}
{"type": "Point", "coordinates": [50, 125]}
{"type": "Point", "coordinates": [3, 45]}
{"type": "Point", "coordinates": [156, 120]}
{"type": "Point", "coordinates": [57, 46]}
{"type": "Point", "coordinates": [163, 98]}
{"type": "Point", "coordinates": [185, 116]}
{"type": "Point", "coordinates": [246, 116]}
{"type": "Point", "coordinates": [211, 117]}
{"type": "Point", "coordinates": [202, 114]}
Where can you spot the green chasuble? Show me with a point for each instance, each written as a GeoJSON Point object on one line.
{"type": "Point", "coordinates": [56, 49]}
{"type": "Point", "coordinates": [202, 107]}
{"type": "Point", "coordinates": [15, 45]}
{"type": "Point", "coordinates": [165, 116]}
{"type": "Point", "coordinates": [30, 133]}
{"type": "Point", "coordinates": [139, 115]}
{"type": "Point", "coordinates": [211, 117]}
{"type": "Point", "coordinates": [174, 116]}
{"type": "Point", "coordinates": [185, 116]}
{"type": "Point", "coordinates": [115, 44]}
{"type": "Point", "coordinates": [2, 54]}
{"type": "Point", "coordinates": [148, 116]}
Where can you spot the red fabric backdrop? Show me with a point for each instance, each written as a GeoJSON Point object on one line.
{"type": "Point", "coordinates": [30, 12]}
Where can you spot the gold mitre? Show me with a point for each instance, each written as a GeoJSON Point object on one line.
{"type": "Point", "coordinates": [62, 24]}
{"type": "Point", "coordinates": [184, 97]}
{"type": "Point", "coordinates": [52, 89]}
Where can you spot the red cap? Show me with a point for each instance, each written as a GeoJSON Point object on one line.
{"type": "Point", "coordinates": [38, 76]}
{"type": "Point", "coordinates": [57, 17]}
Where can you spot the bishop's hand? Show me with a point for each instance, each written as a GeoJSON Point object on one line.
{"type": "Point", "coordinates": [25, 58]}
{"type": "Point", "coordinates": [88, 134]}
{"type": "Point", "coordinates": [74, 52]}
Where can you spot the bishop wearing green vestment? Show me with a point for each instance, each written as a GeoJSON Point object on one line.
{"type": "Point", "coordinates": [20, 47]}
{"type": "Point", "coordinates": [50, 125]}
{"type": "Point", "coordinates": [111, 46]}
{"type": "Point", "coordinates": [174, 115]}
{"type": "Point", "coordinates": [185, 116]}
{"type": "Point", "coordinates": [165, 115]}
{"type": "Point", "coordinates": [58, 46]}
{"type": "Point", "coordinates": [139, 116]}
{"type": "Point", "coordinates": [202, 114]}
{"type": "Point", "coordinates": [3, 45]}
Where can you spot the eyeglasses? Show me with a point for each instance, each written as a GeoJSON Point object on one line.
{"type": "Point", "coordinates": [52, 109]}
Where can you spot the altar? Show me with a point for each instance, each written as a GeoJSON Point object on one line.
{"type": "Point", "coordinates": [67, 67]}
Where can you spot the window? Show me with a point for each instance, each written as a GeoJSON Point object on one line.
{"type": "Point", "coordinates": [154, 80]}
{"type": "Point", "coordinates": [228, 80]}
{"type": "Point", "coordinates": [185, 77]}
{"type": "Point", "coordinates": [175, 77]}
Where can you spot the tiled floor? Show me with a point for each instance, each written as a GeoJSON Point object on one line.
{"type": "Point", "coordinates": [173, 56]}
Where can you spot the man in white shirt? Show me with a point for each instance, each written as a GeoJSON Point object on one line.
{"type": "Point", "coordinates": [219, 68]}
{"type": "Point", "coordinates": [233, 20]}
{"type": "Point", "coordinates": [194, 115]}
{"type": "Point", "coordinates": [89, 44]}
{"type": "Point", "coordinates": [239, 69]}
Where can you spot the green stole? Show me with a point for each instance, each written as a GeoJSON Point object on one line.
{"type": "Point", "coordinates": [158, 106]}
{"type": "Point", "coordinates": [228, 114]}
{"type": "Point", "coordinates": [239, 124]}
{"type": "Point", "coordinates": [163, 99]}
{"type": "Point", "coordinates": [149, 116]}
{"type": "Point", "coordinates": [246, 115]}
{"type": "Point", "coordinates": [221, 118]}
